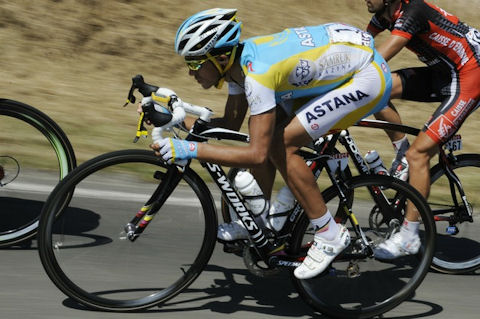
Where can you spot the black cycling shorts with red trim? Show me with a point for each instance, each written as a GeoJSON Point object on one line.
{"type": "Point", "coordinates": [459, 94]}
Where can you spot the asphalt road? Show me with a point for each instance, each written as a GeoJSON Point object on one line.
{"type": "Point", "coordinates": [224, 290]}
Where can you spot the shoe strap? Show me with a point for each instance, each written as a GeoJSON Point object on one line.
{"type": "Point", "coordinates": [320, 249]}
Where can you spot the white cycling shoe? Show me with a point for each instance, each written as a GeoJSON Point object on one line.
{"type": "Point", "coordinates": [400, 169]}
{"type": "Point", "coordinates": [232, 231]}
{"type": "Point", "coordinates": [398, 246]}
{"type": "Point", "coordinates": [322, 253]}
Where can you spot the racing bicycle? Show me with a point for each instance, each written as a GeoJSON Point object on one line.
{"type": "Point", "coordinates": [137, 231]}
{"type": "Point", "coordinates": [454, 203]}
{"type": "Point", "coordinates": [34, 155]}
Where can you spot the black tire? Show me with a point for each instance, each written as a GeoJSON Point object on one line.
{"type": "Point", "coordinates": [22, 199]}
{"type": "Point", "coordinates": [86, 254]}
{"type": "Point", "coordinates": [456, 253]}
{"type": "Point", "coordinates": [343, 291]}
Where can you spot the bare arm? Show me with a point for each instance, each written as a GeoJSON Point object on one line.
{"type": "Point", "coordinates": [392, 46]}
{"type": "Point", "coordinates": [261, 128]}
{"type": "Point", "coordinates": [235, 111]}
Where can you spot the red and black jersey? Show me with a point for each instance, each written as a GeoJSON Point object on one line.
{"type": "Point", "coordinates": [437, 37]}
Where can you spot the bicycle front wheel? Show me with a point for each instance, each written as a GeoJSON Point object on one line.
{"type": "Point", "coordinates": [357, 285]}
{"type": "Point", "coordinates": [34, 155]}
{"type": "Point", "coordinates": [458, 238]}
{"type": "Point", "coordinates": [86, 251]}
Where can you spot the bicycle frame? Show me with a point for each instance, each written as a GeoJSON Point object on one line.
{"type": "Point", "coordinates": [200, 132]}
{"type": "Point", "coordinates": [444, 160]}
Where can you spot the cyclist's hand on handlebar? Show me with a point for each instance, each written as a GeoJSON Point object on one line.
{"type": "Point", "coordinates": [174, 150]}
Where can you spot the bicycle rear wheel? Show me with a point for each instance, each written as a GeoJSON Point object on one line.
{"type": "Point", "coordinates": [86, 252]}
{"type": "Point", "coordinates": [358, 285]}
{"type": "Point", "coordinates": [458, 240]}
{"type": "Point", "coordinates": [34, 155]}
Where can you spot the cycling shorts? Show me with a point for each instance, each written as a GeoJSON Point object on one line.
{"type": "Point", "coordinates": [367, 92]}
{"type": "Point", "coordinates": [458, 92]}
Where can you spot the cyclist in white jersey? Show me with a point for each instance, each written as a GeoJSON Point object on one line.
{"type": "Point", "coordinates": [325, 78]}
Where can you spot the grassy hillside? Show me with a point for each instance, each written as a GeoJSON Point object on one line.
{"type": "Point", "coordinates": [74, 59]}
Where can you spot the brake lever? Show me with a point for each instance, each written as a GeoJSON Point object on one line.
{"type": "Point", "coordinates": [130, 98]}
{"type": "Point", "coordinates": [141, 129]}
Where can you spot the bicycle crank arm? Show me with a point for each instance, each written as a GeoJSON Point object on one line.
{"type": "Point", "coordinates": [276, 261]}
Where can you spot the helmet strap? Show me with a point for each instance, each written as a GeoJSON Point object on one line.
{"type": "Point", "coordinates": [223, 71]}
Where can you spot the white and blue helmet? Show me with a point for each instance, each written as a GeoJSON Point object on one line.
{"type": "Point", "coordinates": [208, 30]}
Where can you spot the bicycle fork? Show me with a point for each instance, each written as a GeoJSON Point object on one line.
{"type": "Point", "coordinates": [144, 216]}
{"type": "Point", "coordinates": [455, 184]}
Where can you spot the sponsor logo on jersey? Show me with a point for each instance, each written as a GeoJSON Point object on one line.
{"type": "Point", "coordinates": [442, 127]}
{"type": "Point", "coordinates": [253, 99]}
{"type": "Point", "coordinates": [303, 73]}
{"type": "Point", "coordinates": [250, 67]}
{"type": "Point", "coordinates": [440, 39]}
{"type": "Point", "coordinates": [461, 110]}
{"type": "Point", "coordinates": [398, 24]}
{"type": "Point", "coordinates": [336, 63]}
{"type": "Point", "coordinates": [459, 49]}
{"type": "Point", "coordinates": [333, 104]}
{"type": "Point", "coordinates": [305, 37]}
{"type": "Point", "coordinates": [287, 96]}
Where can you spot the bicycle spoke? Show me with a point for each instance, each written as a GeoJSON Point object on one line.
{"type": "Point", "coordinates": [357, 284]}
{"type": "Point", "coordinates": [89, 255]}
{"type": "Point", "coordinates": [458, 239]}
{"type": "Point", "coordinates": [29, 168]}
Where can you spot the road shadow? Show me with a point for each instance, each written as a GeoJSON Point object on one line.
{"type": "Point", "coordinates": [273, 296]}
{"type": "Point", "coordinates": [16, 212]}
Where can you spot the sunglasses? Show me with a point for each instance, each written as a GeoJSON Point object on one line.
{"type": "Point", "coordinates": [195, 65]}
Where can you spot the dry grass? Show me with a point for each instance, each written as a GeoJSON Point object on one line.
{"type": "Point", "coordinates": [74, 59]}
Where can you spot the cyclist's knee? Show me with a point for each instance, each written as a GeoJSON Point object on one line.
{"type": "Point", "coordinates": [397, 87]}
{"type": "Point", "coordinates": [417, 157]}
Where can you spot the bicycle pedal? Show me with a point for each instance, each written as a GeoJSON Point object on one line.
{"type": "Point", "coordinates": [235, 247]}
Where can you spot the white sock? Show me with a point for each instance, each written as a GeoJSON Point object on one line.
{"type": "Point", "coordinates": [397, 144]}
{"type": "Point", "coordinates": [325, 226]}
{"type": "Point", "coordinates": [409, 228]}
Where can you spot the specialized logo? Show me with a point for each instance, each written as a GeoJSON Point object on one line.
{"type": "Point", "coordinates": [232, 197]}
{"type": "Point", "coordinates": [303, 73]}
{"type": "Point", "coordinates": [333, 104]}
{"type": "Point", "coordinates": [191, 146]}
{"type": "Point", "coordinates": [359, 161]}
